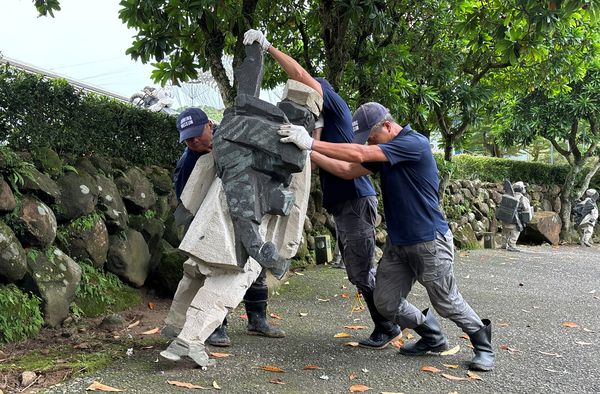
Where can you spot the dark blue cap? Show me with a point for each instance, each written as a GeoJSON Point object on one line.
{"type": "Point", "coordinates": [190, 123]}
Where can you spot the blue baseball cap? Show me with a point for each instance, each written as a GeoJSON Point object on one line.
{"type": "Point", "coordinates": [365, 117]}
{"type": "Point", "coordinates": [190, 123]}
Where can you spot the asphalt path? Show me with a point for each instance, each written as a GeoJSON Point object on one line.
{"type": "Point", "coordinates": [544, 304]}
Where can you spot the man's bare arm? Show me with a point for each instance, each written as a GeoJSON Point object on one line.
{"type": "Point", "coordinates": [353, 153]}
{"type": "Point", "coordinates": [294, 70]}
{"type": "Point", "coordinates": [339, 168]}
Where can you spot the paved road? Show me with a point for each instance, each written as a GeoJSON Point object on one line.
{"type": "Point", "coordinates": [527, 295]}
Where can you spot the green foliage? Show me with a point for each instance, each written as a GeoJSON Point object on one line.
{"type": "Point", "coordinates": [100, 292]}
{"type": "Point", "coordinates": [55, 114]}
{"type": "Point", "coordinates": [15, 169]}
{"type": "Point", "coordinates": [150, 214]}
{"type": "Point", "coordinates": [20, 314]}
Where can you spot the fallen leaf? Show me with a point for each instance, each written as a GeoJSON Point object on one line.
{"type": "Point", "coordinates": [397, 343]}
{"type": "Point", "coordinates": [276, 381]}
{"type": "Point", "coordinates": [472, 375]}
{"type": "Point", "coordinates": [287, 282]}
{"type": "Point", "coordinates": [219, 355]}
{"type": "Point", "coordinates": [509, 349]}
{"type": "Point", "coordinates": [450, 352]}
{"type": "Point", "coordinates": [244, 317]}
{"type": "Point", "coordinates": [148, 347]}
{"type": "Point", "coordinates": [352, 376]}
{"type": "Point", "coordinates": [452, 377]}
{"type": "Point", "coordinates": [270, 368]}
{"type": "Point", "coordinates": [465, 336]}
{"type": "Point", "coordinates": [429, 368]}
{"type": "Point", "coordinates": [570, 324]}
{"type": "Point", "coordinates": [323, 299]}
{"type": "Point", "coordinates": [342, 335]}
{"type": "Point", "coordinates": [303, 314]}
{"type": "Point", "coordinates": [311, 366]}
{"type": "Point", "coordinates": [100, 387]}
{"type": "Point", "coordinates": [451, 366]}
{"type": "Point", "coordinates": [185, 385]}
{"type": "Point", "coordinates": [365, 370]}
{"type": "Point", "coordinates": [216, 385]}
{"type": "Point", "coordinates": [344, 295]}
{"type": "Point", "coordinates": [355, 327]}
{"type": "Point", "coordinates": [587, 330]}
{"type": "Point", "coordinates": [550, 354]}
{"type": "Point", "coordinates": [276, 316]}
{"type": "Point", "coordinates": [583, 343]}
{"type": "Point", "coordinates": [83, 345]}
{"type": "Point", "coordinates": [135, 323]}
{"type": "Point", "coordinates": [351, 344]}
{"type": "Point", "coordinates": [358, 388]}
{"type": "Point", "coordinates": [592, 292]}
{"type": "Point", "coordinates": [503, 324]}
{"type": "Point", "coordinates": [324, 377]}
{"type": "Point", "coordinates": [151, 306]}
{"type": "Point", "coordinates": [299, 273]}
{"type": "Point", "coordinates": [152, 332]}
{"type": "Point", "coordinates": [344, 287]}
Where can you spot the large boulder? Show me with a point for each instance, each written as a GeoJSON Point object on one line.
{"type": "Point", "coordinates": [160, 179]}
{"type": "Point", "coordinates": [36, 222]}
{"type": "Point", "coordinates": [13, 263]}
{"type": "Point", "coordinates": [465, 238]}
{"type": "Point", "coordinates": [136, 190]}
{"type": "Point", "coordinates": [111, 204]}
{"type": "Point", "coordinates": [7, 198]}
{"type": "Point", "coordinates": [544, 227]}
{"type": "Point", "coordinates": [42, 186]}
{"type": "Point", "coordinates": [79, 195]}
{"type": "Point", "coordinates": [89, 240]}
{"type": "Point", "coordinates": [168, 270]}
{"type": "Point", "coordinates": [129, 257]}
{"type": "Point", "coordinates": [54, 277]}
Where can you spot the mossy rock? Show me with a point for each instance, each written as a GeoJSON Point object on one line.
{"type": "Point", "coordinates": [48, 161]}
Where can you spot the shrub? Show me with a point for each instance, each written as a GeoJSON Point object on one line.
{"type": "Point", "coordinates": [20, 314]}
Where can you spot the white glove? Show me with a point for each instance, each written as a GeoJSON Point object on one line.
{"type": "Point", "coordinates": [296, 135]}
{"type": "Point", "coordinates": [255, 35]}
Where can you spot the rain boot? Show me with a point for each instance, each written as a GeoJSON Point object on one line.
{"type": "Point", "coordinates": [482, 347]}
{"type": "Point", "coordinates": [432, 338]}
{"type": "Point", "coordinates": [219, 336]}
{"type": "Point", "coordinates": [257, 320]}
{"type": "Point", "coordinates": [385, 331]}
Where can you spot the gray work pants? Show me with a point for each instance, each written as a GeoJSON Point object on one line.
{"type": "Point", "coordinates": [355, 230]}
{"type": "Point", "coordinates": [431, 263]}
{"type": "Point", "coordinates": [510, 235]}
{"type": "Point", "coordinates": [587, 230]}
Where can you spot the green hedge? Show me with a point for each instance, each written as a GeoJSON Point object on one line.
{"type": "Point", "coordinates": [35, 111]}
{"type": "Point", "coordinates": [491, 169]}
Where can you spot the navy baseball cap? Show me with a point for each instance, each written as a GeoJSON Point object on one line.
{"type": "Point", "coordinates": [190, 123]}
{"type": "Point", "coordinates": [365, 117]}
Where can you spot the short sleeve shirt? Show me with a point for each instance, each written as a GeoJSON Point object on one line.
{"type": "Point", "coordinates": [409, 186]}
{"type": "Point", "coordinates": [338, 129]}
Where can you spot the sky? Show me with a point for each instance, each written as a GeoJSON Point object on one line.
{"type": "Point", "coordinates": [85, 41]}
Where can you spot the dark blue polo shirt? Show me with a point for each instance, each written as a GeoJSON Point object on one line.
{"type": "Point", "coordinates": [338, 128]}
{"type": "Point", "coordinates": [409, 186]}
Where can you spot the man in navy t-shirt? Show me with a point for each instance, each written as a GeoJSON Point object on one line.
{"type": "Point", "coordinates": [420, 244]}
{"type": "Point", "coordinates": [352, 202]}
{"type": "Point", "coordinates": [196, 131]}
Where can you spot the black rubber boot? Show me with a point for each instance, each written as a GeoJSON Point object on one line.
{"type": "Point", "coordinates": [432, 338]}
{"type": "Point", "coordinates": [482, 347]}
{"type": "Point", "coordinates": [385, 331]}
{"type": "Point", "coordinates": [257, 321]}
{"type": "Point", "coordinates": [219, 336]}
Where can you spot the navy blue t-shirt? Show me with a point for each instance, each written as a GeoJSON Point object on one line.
{"type": "Point", "coordinates": [409, 186]}
{"type": "Point", "coordinates": [338, 128]}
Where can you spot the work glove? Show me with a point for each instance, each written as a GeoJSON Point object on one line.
{"type": "Point", "coordinates": [296, 135]}
{"type": "Point", "coordinates": [255, 35]}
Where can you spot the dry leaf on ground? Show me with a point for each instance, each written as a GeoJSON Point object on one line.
{"type": "Point", "coordinates": [355, 327]}
{"type": "Point", "coordinates": [135, 323]}
{"type": "Point", "coordinates": [152, 332]}
{"type": "Point", "coordinates": [509, 349]}
{"type": "Point", "coordinates": [185, 385]}
{"type": "Point", "coordinates": [276, 381]}
{"type": "Point", "coordinates": [583, 343]}
{"type": "Point", "coordinates": [451, 366]}
{"type": "Point", "coordinates": [465, 336]}
{"type": "Point", "coordinates": [219, 355]}
{"type": "Point", "coordinates": [397, 343]}
{"type": "Point", "coordinates": [429, 368]}
{"type": "Point", "coordinates": [450, 352]}
{"type": "Point", "coordinates": [358, 388]}
{"type": "Point", "coordinates": [473, 375]}
{"type": "Point", "coordinates": [342, 335]}
{"type": "Point", "coordinates": [270, 368]}
{"type": "Point", "coordinates": [276, 316]}
{"type": "Point", "coordinates": [503, 324]}
{"type": "Point", "coordinates": [216, 385]}
{"type": "Point", "coordinates": [551, 354]}
{"type": "Point", "coordinates": [344, 295]}
{"type": "Point", "coordinates": [151, 306]}
{"type": "Point", "coordinates": [311, 366]}
{"type": "Point", "coordinates": [570, 324]}
{"type": "Point", "coordinates": [323, 299]}
{"type": "Point", "coordinates": [97, 386]}
{"type": "Point", "coordinates": [452, 377]}
{"type": "Point", "coordinates": [244, 317]}
{"type": "Point", "coordinates": [351, 344]}
{"type": "Point", "coordinates": [303, 314]}
{"type": "Point", "coordinates": [352, 376]}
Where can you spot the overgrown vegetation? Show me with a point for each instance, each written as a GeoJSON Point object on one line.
{"type": "Point", "coordinates": [14, 169]}
{"type": "Point", "coordinates": [20, 314]}
{"type": "Point", "coordinates": [102, 292]}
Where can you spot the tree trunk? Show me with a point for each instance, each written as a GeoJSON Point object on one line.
{"type": "Point", "coordinates": [446, 172]}
{"type": "Point", "coordinates": [566, 195]}
{"type": "Point", "coordinates": [586, 181]}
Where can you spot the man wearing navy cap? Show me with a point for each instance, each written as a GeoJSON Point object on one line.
{"type": "Point", "coordinates": [420, 244]}
{"type": "Point", "coordinates": [196, 131]}
{"type": "Point", "coordinates": [352, 202]}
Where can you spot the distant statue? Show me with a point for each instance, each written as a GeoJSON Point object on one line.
{"type": "Point", "coordinates": [153, 99]}
{"type": "Point", "coordinates": [586, 216]}
{"type": "Point", "coordinates": [515, 212]}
